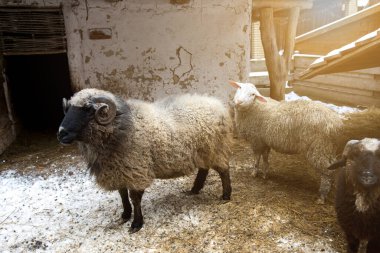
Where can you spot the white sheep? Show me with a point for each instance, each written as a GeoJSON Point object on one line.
{"type": "Point", "coordinates": [129, 143]}
{"type": "Point", "coordinates": [298, 127]}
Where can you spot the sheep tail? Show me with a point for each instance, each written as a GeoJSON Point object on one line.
{"type": "Point", "coordinates": [359, 125]}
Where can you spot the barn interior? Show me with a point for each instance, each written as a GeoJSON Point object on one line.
{"type": "Point", "coordinates": [35, 75]}
{"type": "Point", "coordinates": [37, 84]}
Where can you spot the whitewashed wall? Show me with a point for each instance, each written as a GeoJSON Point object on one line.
{"type": "Point", "coordinates": [156, 47]}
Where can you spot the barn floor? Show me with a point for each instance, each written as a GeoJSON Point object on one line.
{"type": "Point", "coordinates": [48, 202]}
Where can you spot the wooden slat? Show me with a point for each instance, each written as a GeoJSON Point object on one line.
{"type": "Point", "coordinates": [334, 88]}
{"type": "Point", "coordinates": [31, 31]}
{"type": "Point", "coordinates": [373, 10]}
{"type": "Point", "coordinates": [360, 57]}
{"type": "Point", "coordinates": [332, 96]}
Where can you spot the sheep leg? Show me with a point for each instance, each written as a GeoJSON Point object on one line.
{"type": "Point", "coordinates": [325, 185]}
{"type": "Point", "coordinates": [126, 204]}
{"type": "Point", "coordinates": [256, 165]}
{"type": "Point", "coordinates": [352, 243]}
{"type": "Point", "coordinates": [319, 156]}
{"type": "Point", "coordinates": [126, 213]}
{"type": "Point", "coordinates": [373, 245]}
{"type": "Point", "coordinates": [199, 181]}
{"type": "Point", "coordinates": [265, 156]}
{"type": "Point", "coordinates": [226, 182]}
{"type": "Point", "coordinates": [138, 219]}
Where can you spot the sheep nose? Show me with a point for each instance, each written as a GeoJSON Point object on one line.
{"type": "Point", "coordinates": [61, 133]}
{"type": "Point", "coordinates": [367, 178]}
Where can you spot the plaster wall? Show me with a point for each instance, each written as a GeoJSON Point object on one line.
{"type": "Point", "coordinates": [155, 47]}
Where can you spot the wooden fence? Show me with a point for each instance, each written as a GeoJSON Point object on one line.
{"type": "Point", "coordinates": [361, 87]}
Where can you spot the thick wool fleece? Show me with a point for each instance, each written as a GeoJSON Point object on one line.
{"type": "Point", "coordinates": [296, 127]}
{"type": "Point", "coordinates": [168, 138]}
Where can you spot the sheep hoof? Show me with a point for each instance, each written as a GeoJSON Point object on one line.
{"type": "Point", "coordinates": [225, 198]}
{"type": "Point", "coordinates": [321, 201]}
{"type": "Point", "coordinates": [190, 193]}
{"type": "Point", "coordinates": [135, 227]}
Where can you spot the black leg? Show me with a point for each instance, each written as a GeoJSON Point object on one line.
{"type": "Point", "coordinates": [126, 204]}
{"type": "Point", "coordinates": [352, 243]}
{"type": "Point", "coordinates": [138, 219]}
{"type": "Point", "coordinates": [226, 183]}
{"type": "Point", "coordinates": [199, 181]}
{"type": "Point", "coordinates": [373, 245]}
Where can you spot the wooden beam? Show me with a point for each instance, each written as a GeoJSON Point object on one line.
{"type": "Point", "coordinates": [351, 61]}
{"type": "Point", "coordinates": [346, 21]}
{"type": "Point", "coordinates": [278, 65]}
{"type": "Point", "coordinates": [294, 14]}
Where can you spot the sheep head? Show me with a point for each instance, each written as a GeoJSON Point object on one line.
{"type": "Point", "coordinates": [86, 108]}
{"type": "Point", "coordinates": [362, 162]}
{"type": "Point", "coordinates": [246, 94]}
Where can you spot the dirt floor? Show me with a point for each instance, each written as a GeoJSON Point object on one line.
{"type": "Point", "coordinates": [48, 202]}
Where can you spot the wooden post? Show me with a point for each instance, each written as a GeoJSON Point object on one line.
{"type": "Point", "coordinates": [277, 65]}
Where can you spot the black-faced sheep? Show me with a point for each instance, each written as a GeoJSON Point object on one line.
{"type": "Point", "coordinates": [297, 127]}
{"type": "Point", "coordinates": [129, 143]}
{"type": "Point", "coordinates": [357, 202]}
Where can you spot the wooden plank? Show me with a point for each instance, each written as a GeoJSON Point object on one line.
{"type": "Point", "coordinates": [318, 63]}
{"type": "Point", "coordinates": [336, 34]}
{"type": "Point", "coordinates": [371, 71]}
{"type": "Point", "coordinates": [343, 98]}
{"type": "Point", "coordinates": [360, 58]}
{"type": "Point", "coordinates": [346, 21]}
{"type": "Point", "coordinates": [368, 38]}
{"type": "Point", "coordinates": [365, 73]}
{"type": "Point", "coordinates": [303, 60]}
{"type": "Point", "coordinates": [258, 65]}
{"type": "Point", "coordinates": [334, 88]}
{"type": "Point", "coordinates": [348, 81]}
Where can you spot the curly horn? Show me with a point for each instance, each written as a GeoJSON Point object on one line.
{"type": "Point", "coordinates": [105, 111]}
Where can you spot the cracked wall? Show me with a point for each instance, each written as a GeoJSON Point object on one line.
{"type": "Point", "coordinates": [150, 48]}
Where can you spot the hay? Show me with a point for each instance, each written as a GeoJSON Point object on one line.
{"type": "Point", "coordinates": [278, 214]}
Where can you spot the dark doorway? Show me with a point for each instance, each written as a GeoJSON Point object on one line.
{"type": "Point", "coordinates": [37, 84]}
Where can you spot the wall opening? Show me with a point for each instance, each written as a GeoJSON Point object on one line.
{"type": "Point", "coordinates": [37, 84]}
{"type": "Point", "coordinates": [36, 71]}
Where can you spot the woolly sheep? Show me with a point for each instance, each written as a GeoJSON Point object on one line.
{"type": "Point", "coordinates": [129, 143]}
{"type": "Point", "coordinates": [357, 200]}
{"type": "Point", "coordinates": [297, 127]}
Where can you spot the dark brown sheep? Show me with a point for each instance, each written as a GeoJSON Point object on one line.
{"type": "Point", "coordinates": [357, 201]}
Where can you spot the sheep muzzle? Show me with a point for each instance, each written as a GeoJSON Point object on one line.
{"type": "Point", "coordinates": [367, 178]}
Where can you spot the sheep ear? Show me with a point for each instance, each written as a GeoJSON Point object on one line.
{"type": "Point", "coordinates": [338, 164]}
{"type": "Point", "coordinates": [234, 84]}
{"type": "Point", "coordinates": [348, 149]}
{"type": "Point", "coordinates": [261, 98]}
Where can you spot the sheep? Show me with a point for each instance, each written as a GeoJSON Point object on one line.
{"type": "Point", "coordinates": [297, 127]}
{"type": "Point", "coordinates": [129, 143]}
{"type": "Point", "coordinates": [357, 198]}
